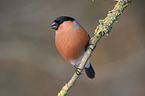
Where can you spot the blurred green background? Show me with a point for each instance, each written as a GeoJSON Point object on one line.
{"type": "Point", "coordinates": [30, 65]}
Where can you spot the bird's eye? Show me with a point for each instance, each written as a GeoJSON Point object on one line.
{"type": "Point", "coordinates": [57, 21]}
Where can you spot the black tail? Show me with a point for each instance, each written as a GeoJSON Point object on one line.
{"type": "Point", "coordinates": [90, 72]}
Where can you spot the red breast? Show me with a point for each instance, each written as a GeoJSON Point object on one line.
{"type": "Point", "coordinates": [71, 41]}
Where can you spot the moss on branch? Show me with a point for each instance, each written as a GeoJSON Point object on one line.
{"type": "Point", "coordinates": [102, 29]}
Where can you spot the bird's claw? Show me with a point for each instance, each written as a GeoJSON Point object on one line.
{"type": "Point", "coordinates": [78, 71]}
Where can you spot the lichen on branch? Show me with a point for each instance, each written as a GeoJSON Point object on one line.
{"type": "Point", "coordinates": [102, 29]}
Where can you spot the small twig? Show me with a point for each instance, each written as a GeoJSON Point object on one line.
{"type": "Point", "coordinates": [102, 29]}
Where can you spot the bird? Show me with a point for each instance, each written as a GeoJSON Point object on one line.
{"type": "Point", "coordinates": [72, 40]}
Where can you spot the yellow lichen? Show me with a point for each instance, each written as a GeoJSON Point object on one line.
{"type": "Point", "coordinates": [63, 91]}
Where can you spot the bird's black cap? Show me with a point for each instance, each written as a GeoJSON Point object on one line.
{"type": "Point", "coordinates": [58, 21]}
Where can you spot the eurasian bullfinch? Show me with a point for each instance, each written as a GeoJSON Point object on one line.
{"type": "Point", "coordinates": [71, 41]}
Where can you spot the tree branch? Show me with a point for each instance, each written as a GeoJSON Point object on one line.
{"type": "Point", "coordinates": [103, 28]}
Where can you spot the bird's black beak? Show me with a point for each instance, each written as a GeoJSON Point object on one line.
{"type": "Point", "coordinates": [54, 25]}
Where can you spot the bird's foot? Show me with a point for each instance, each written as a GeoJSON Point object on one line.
{"type": "Point", "coordinates": [78, 70]}
{"type": "Point", "coordinates": [91, 47]}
